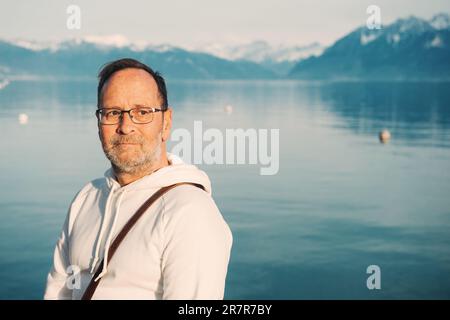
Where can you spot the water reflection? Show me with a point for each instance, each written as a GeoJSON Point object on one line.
{"type": "Point", "coordinates": [414, 112]}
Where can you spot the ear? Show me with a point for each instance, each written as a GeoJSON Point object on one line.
{"type": "Point", "coordinates": [167, 124]}
{"type": "Point", "coordinates": [98, 131]}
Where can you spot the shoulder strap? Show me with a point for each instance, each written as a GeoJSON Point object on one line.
{"type": "Point", "coordinates": [115, 244]}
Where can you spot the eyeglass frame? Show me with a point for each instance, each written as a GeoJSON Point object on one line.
{"type": "Point", "coordinates": [154, 110]}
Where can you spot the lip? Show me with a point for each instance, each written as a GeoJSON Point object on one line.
{"type": "Point", "coordinates": [126, 144]}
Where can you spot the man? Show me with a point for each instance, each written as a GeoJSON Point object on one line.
{"type": "Point", "coordinates": [180, 247]}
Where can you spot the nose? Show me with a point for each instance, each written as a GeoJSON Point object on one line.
{"type": "Point", "coordinates": [126, 125]}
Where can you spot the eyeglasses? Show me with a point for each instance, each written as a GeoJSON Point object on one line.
{"type": "Point", "coordinates": [139, 115]}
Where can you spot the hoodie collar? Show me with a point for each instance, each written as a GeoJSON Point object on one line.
{"type": "Point", "coordinates": [176, 171]}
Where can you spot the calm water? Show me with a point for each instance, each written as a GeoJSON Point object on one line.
{"type": "Point", "coordinates": [340, 202]}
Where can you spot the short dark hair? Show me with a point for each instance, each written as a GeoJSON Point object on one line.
{"type": "Point", "coordinates": [110, 68]}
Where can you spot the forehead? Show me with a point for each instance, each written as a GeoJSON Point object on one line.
{"type": "Point", "coordinates": [130, 87]}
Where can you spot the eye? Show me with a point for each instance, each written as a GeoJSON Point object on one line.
{"type": "Point", "coordinates": [143, 112]}
{"type": "Point", "coordinates": [113, 113]}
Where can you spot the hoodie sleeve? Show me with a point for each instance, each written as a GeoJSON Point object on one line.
{"type": "Point", "coordinates": [56, 288]}
{"type": "Point", "coordinates": [197, 245]}
{"type": "Point", "coordinates": [56, 279]}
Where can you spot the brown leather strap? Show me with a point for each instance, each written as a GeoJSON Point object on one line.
{"type": "Point", "coordinates": [115, 244]}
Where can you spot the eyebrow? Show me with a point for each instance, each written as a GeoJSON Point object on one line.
{"type": "Point", "coordinates": [137, 105]}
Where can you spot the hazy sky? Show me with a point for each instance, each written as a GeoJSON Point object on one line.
{"type": "Point", "coordinates": [193, 22]}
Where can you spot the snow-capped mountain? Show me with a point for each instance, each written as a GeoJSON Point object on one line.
{"type": "Point", "coordinates": [440, 21]}
{"type": "Point", "coordinates": [278, 58]}
{"type": "Point", "coordinates": [107, 42]}
{"type": "Point", "coordinates": [261, 51]}
{"type": "Point", "coordinates": [83, 57]}
{"type": "Point", "coordinates": [408, 48]}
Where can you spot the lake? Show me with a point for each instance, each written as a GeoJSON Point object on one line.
{"type": "Point", "coordinates": [340, 202]}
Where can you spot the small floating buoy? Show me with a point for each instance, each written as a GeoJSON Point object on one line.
{"type": "Point", "coordinates": [384, 136]}
{"type": "Point", "coordinates": [4, 83]}
{"type": "Point", "coordinates": [23, 118]}
{"type": "Point", "coordinates": [228, 109]}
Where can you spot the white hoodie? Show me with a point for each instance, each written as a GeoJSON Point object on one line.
{"type": "Point", "coordinates": [179, 249]}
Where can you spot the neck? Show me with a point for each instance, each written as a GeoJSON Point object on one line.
{"type": "Point", "coordinates": [125, 178]}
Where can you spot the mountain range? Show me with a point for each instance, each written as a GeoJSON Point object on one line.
{"type": "Point", "coordinates": [80, 58]}
{"type": "Point", "coordinates": [278, 58]}
{"type": "Point", "coordinates": [409, 48]}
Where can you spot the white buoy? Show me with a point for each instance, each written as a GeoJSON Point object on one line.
{"type": "Point", "coordinates": [4, 83]}
{"type": "Point", "coordinates": [23, 118]}
{"type": "Point", "coordinates": [384, 136]}
{"type": "Point", "coordinates": [228, 109]}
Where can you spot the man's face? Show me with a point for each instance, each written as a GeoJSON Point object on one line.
{"type": "Point", "coordinates": [132, 147]}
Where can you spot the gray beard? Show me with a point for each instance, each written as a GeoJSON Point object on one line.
{"type": "Point", "coordinates": [142, 162]}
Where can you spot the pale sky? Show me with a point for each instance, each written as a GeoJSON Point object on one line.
{"type": "Point", "coordinates": [195, 22]}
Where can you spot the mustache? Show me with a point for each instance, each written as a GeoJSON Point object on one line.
{"type": "Point", "coordinates": [117, 140]}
